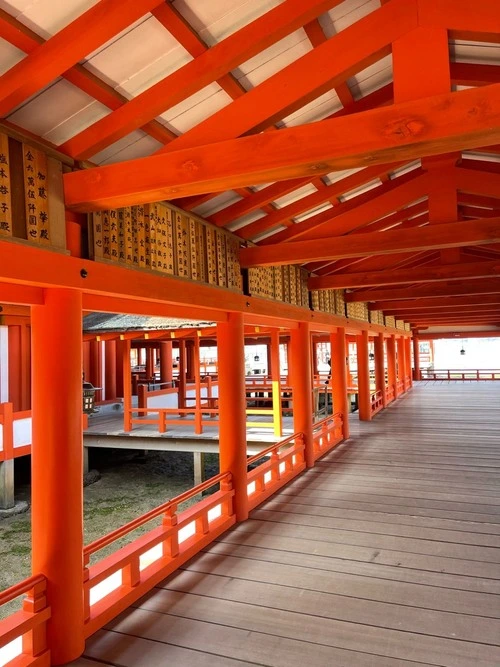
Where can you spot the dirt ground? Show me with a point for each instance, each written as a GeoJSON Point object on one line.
{"type": "Point", "coordinates": [130, 485]}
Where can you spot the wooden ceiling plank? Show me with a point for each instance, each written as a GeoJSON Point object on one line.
{"type": "Point", "coordinates": [85, 34]}
{"type": "Point", "coordinates": [458, 288]}
{"type": "Point", "coordinates": [195, 75]}
{"type": "Point", "coordinates": [432, 237]}
{"type": "Point", "coordinates": [400, 132]}
{"type": "Point", "coordinates": [394, 277]}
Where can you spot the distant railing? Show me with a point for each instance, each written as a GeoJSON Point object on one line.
{"type": "Point", "coordinates": [283, 461]}
{"type": "Point", "coordinates": [15, 432]}
{"type": "Point", "coordinates": [114, 583]}
{"type": "Point", "coordinates": [376, 402]}
{"type": "Point", "coordinates": [26, 630]}
{"type": "Point", "coordinates": [400, 387]}
{"type": "Point", "coordinates": [389, 394]}
{"type": "Point", "coordinates": [472, 375]}
{"type": "Point", "coordinates": [407, 382]}
{"type": "Point", "coordinates": [327, 434]}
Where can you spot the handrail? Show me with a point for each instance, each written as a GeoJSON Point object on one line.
{"type": "Point", "coordinates": [274, 447]}
{"type": "Point", "coordinates": [20, 588]}
{"type": "Point", "coordinates": [108, 539]}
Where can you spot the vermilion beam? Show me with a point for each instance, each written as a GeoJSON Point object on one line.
{"type": "Point", "coordinates": [448, 235]}
{"type": "Point", "coordinates": [26, 40]}
{"type": "Point", "coordinates": [358, 211]}
{"type": "Point", "coordinates": [393, 277]}
{"type": "Point", "coordinates": [327, 194]}
{"type": "Point", "coordinates": [305, 79]}
{"type": "Point", "coordinates": [436, 302]}
{"type": "Point", "coordinates": [478, 182]}
{"type": "Point", "coordinates": [471, 74]}
{"type": "Point", "coordinates": [195, 75]}
{"type": "Point", "coordinates": [480, 24]}
{"type": "Point", "coordinates": [400, 132]}
{"type": "Point", "coordinates": [82, 36]}
{"type": "Point", "coordinates": [422, 291]}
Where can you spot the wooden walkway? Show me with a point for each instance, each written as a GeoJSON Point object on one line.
{"type": "Point", "coordinates": [386, 553]}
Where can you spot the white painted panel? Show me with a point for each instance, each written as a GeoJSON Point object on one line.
{"type": "Point", "coordinates": [217, 203]}
{"type": "Point", "coordinates": [76, 123]}
{"type": "Point", "coordinates": [345, 14]}
{"type": "Point", "coordinates": [9, 56]}
{"type": "Point", "coordinates": [273, 59]}
{"type": "Point", "coordinates": [4, 364]}
{"type": "Point", "coordinates": [46, 17]}
{"type": "Point", "coordinates": [134, 145]}
{"type": "Point", "coordinates": [372, 78]}
{"type": "Point", "coordinates": [138, 58]}
{"type": "Point", "coordinates": [291, 197]}
{"type": "Point", "coordinates": [196, 108]}
{"type": "Point", "coordinates": [22, 432]}
{"type": "Point", "coordinates": [245, 220]}
{"type": "Point", "coordinates": [318, 109]}
{"type": "Point", "coordinates": [216, 20]}
{"type": "Point", "coordinates": [51, 107]}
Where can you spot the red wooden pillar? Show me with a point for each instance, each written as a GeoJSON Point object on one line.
{"type": "Point", "coordinates": [126, 372]}
{"type": "Point", "coordinates": [119, 367]}
{"type": "Point", "coordinates": [408, 361]}
{"type": "Point", "coordinates": [380, 366]}
{"type": "Point", "coordinates": [15, 366]}
{"type": "Point", "coordinates": [150, 363]}
{"type": "Point", "coordinates": [339, 376]}
{"type": "Point", "coordinates": [181, 391]}
{"type": "Point", "coordinates": [198, 426]}
{"type": "Point", "coordinates": [166, 361]}
{"type": "Point", "coordinates": [274, 372]}
{"type": "Point", "coordinates": [417, 374]}
{"type": "Point", "coordinates": [364, 394]}
{"type": "Point", "coordinates": [300, 367]}
{"type": "Point", "coordinates": [232, 428]}
{"type": "Point", "coordinates": [401, 372]}
{"type": "Point", "coordinates": [110, 370]}
{"type": "Point", "coordinates": [314, 345]}
{"type": "Point", "coordinates": [57, 467]}
{"type": "Point", "coordinates": [190, 360]}
{"type": "Point", "coordinates": [391, 363]}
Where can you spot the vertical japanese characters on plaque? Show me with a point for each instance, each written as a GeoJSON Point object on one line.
{"type": "Point", "coordinates": [164, 239]}
{"type": "Point", "coordinates": [5, 192]}
{"type": "Point", "coordinates": [36, 195]}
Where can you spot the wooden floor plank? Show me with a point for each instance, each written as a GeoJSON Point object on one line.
{"type": "Point", "coordinates": [386, 553]}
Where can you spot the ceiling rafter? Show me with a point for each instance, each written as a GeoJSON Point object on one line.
{"type": "Point", "coordinates": [400, 132]}
{"type": "Point", "coordinates": [470, 270]}
{"type": "Point", "coordinates": [432, 290]}
{"type": "Point", "coordinates": [432, 237]}
{"type": "Point", "coordinates": [20, 36]}
{"type": "Point", "coordinates": [358, 211]}
{"type": "Point", "coordinates": [68, 46]}
{"type": "Point", "coordinates": [195, 75]}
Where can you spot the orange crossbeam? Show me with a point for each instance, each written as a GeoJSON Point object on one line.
{"type": "Point", "coordinates": [471, 287]}
{"type": "Point", "coordinates": [400, 132]}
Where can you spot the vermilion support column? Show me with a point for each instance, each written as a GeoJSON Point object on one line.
{"type": "Point", "coordinates": [380, 366]}
{"type": "Point", "coordinates": [110, 370]}
{"type": "Point", "coordinates": [232, 427]}
{"type": "Point", "coordinates": [339, 377]}
{"type": "Point", "coordinates": [127, 384]}
{"type": "Point", "coordinates": [417, 375]}
{"type": "Point", "coordinates": [166, 361]}
{"type": "Point", "coordinates": [190, 360]}
{"type": "Point", "coordinates": [181, 390]}
{"type": "Point", "coordinates": [198, 426]}
{"type": "Point", "coordinates": [57, 467]}
{"type": "Point", "coordinates": [274, 371]}
{"type": "Point", "coordinates": [391, 363]}
{"type": "Point", "coordinates": [401, 372]}
{"type": "Point", "coordinates": [15, 365]}
{"type": "Point", "coordinates": [150, 362]}
{"type": "Point", "coordinates": [408, 361]}
{"type": "Point", "coordinates": [300, 367]}
{"type": "Point", "coordinates": [364, 395]}
{"type": "Point", "coordinates": [119, 367]}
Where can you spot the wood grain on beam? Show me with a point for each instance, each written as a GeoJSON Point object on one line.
{"type": "Point", "coordinates": [394, 277]}
{"type": "Point", "coordinates": [448, 235]}
{"type": "Point", "coordinates": [471, 287]}
{"type": "Point", "coordinates": [430, 126]}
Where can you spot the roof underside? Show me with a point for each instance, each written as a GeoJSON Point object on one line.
{"type": "Point", "coordinates": [148, 42]}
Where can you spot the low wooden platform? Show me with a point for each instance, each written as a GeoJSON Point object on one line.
{"type": "Point", "coordinates": [386, 553]}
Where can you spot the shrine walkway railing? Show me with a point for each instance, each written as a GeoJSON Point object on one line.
{"type": "Point", "coordinates": [463, 375]}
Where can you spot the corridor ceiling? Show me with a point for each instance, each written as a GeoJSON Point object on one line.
{"type": "Point", "coordinates": [359, 138]}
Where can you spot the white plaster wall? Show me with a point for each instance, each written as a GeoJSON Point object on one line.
{"type": "Point", "coordinates": [22, 432]}
{"type": "Point", "coordinates": [4, 364]}
{"type": "Point", "coordinates": [170, 400]}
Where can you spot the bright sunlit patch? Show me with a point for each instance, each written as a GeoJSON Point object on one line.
{"type": "Point", "coordinates": [106, 587]}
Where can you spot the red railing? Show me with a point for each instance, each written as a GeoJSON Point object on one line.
{"type": "Point", "coordinates": [389, 394]}
{"type": "Point", "coordinates": [407, 383]}
{"type": "Point", "coordinates": [284, 461]}
{"type": "Point", "coordinates": [118, 580]}
{"type": "Point", "coordinates": [327, 434]}
{"type": "Point", "coordinates": [377, 402]}
{"type": "Point", "coordinates": [400, 387]}
{"type": "Point", "coordinates": [469, 375]}
{"type": "Point", "coordinates": [12, 445]}
{"type": "Point", "coordinates": [28, 625]}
